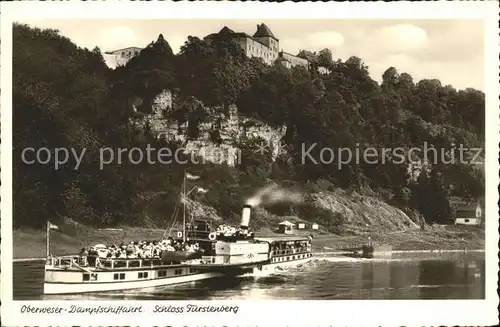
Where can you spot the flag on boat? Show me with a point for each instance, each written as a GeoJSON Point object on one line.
{"type": "Point", "coordinates": [202, 190]}
{"type": "Point", "coordinates": [51, 226]}
{"type": "Point", "coordinates": [192, 177]}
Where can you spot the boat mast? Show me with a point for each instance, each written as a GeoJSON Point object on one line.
{"type": "Point", "coordinates": [184, 210]}
{"type": "Point", "coordinates": [48, 239]}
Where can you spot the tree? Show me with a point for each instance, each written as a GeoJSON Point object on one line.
{"type": "Point", "coordinates": [428, 106]}
{"type": "Point", "coordinates": [403, 196]}
{"type": "Point", "coordinates": [216, 71]}
{"type": "Point", "coordinates": [149, 73]}
{"type": "Point", "coordinates": [390, 78]}
{"type": "Point", "coordinates": [269, 97]}
{"type": "Point", "coordinates": [431, 197]}
{"type": "Point", "coordinates": [65, 96]}
{"type": "Point", "coordinates": [58, 92]}
{"type": "Point", "coordinates": [325, 58]}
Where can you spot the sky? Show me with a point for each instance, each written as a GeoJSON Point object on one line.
{"type": "Point", "coordinates": [449, 50]}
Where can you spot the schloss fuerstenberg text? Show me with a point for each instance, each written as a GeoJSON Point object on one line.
{"type": "Point", "coordinates": [196, 308]}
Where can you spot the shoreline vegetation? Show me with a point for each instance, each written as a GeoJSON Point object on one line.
{"type": "Point", "coordinates": [30, 243]}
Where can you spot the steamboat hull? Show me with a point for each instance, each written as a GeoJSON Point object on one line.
{"type": "Point", "coordinates": [64, 281]}
{"type": "Point", "coordinates": [273, 264]}
{"type": "Point", "coordinates": [70, 282]}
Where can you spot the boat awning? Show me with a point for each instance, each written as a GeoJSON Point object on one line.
{"type": "Point", "coordinates": [288, 238]}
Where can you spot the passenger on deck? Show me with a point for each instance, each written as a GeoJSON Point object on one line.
{"type": "Point", "coordinates": [82, 260]}
{"type": "Point", "coordinates": [226, 232]}
{"type": "Point", "coordinates": [137, 249]}
{"type": "Point", "coordinates": [148, 252]}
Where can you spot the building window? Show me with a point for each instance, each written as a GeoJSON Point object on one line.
{"type": "Point", "coordinates": [466, 220]}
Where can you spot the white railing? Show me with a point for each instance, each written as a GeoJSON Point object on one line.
{"type": "Point", "coordinates": [96, 262]}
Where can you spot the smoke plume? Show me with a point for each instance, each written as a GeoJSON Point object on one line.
{"type": "Point", "coordinates": [272, 194]}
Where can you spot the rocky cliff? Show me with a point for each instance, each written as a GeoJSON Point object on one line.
{"type": "Point", "coordinates": [232, 128]}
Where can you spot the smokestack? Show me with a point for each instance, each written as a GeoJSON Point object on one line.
{"type": "Point", "coordinates": [245, 216]}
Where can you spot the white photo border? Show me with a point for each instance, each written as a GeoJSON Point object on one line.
{"type": "Point", "coordinates": [253, 312]}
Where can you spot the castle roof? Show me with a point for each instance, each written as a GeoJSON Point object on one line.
{"type": "Point", "coordinates": [226, 30]}
{"type": "Point", "coordinates": [264, 31]}
{"type": "Point", "coordinates": [467, 206]}
{"type": "Point", "coordinates": [310, 56]}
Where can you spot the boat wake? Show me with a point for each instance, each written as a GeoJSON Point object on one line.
{"type": "Point", "coordinates": [286, 270]}
{"type": "Point", "coordinates": [328, 259]}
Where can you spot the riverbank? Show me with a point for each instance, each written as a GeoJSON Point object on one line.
{"type": "Point", "coordinates": [29, 243]}
{"type": "Point", "coordinates": [432, 238]}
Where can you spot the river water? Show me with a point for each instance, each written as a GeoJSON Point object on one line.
{"type": "Point", "coordinates": [326, 277]}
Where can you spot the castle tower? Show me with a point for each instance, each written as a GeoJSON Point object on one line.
{"type": "Point", "coordinates": [264, 35]}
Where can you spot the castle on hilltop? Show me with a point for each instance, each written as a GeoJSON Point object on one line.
{"type": "Point", "coordinates": [263, 44]}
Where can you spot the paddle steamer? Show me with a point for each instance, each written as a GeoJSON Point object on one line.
{"type": "Point", "coordinates": [218, 255]}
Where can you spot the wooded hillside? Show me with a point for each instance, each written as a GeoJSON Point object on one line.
{"type": "Point", "coordinates": [65, 96]}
